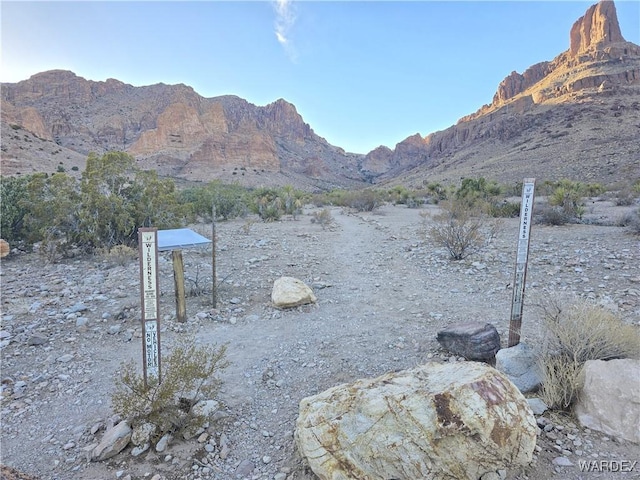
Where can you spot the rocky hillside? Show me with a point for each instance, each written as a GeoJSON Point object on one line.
{"type": "Point", "coordinates": [56, 118]}
{"type": "Point", "coordinates": [576, 116]}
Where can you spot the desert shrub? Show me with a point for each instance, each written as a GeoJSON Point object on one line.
{"type": "Point", "coordinates": [401, 195]}
{"type": "Point", "coordinates": [189, 375]}
{"type": "Point", "coordinates": [461, 231]}
{"type": "Point", "coordinates": [322, 218]}
{"type": "Point", "coordinates": [271, 203]}
{"type": "Point", "coordinates": [229, 200]}
{"type": "Point", "coordinates": [548, 187]}
{"type": "Point", "coordinates": [436, 192]}
{"type": "Point", "coordinates": [631, 220]}
{"type": "Point", "coordinates": [267, 204]}
{"type": "Point", "coordinates": [627, 193]}
{"type": "Point", "coordinates": [475, 190]}
{"type": "Point", "coordinates": [504, 209]}
{"type": "Point", "coordinates": [569, 200]}
{"type": "Point", "coordinates": [118, 255]}
{"type": "Point", "coordinates": [574, 334]}
{"type": "Point", "coordinates": [364, 200]}
{"type": "Point", "coordinates": [550, 215]}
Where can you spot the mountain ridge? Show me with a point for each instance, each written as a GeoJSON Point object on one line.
{"type": "Point", "coordinates": [588, 95]}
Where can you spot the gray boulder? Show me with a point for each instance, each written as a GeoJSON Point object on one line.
{"type": "Point", "coordinates": [471, 340]}
{"type": "Point", "coordinates": [520, 364]}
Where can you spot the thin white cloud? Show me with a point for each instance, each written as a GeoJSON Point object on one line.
{"type": "Point", "coordinates": [285, 19]}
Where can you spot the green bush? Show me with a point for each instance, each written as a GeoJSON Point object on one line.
{"type": "Point", "coordinates": [103, 209]}
{"type": "Point", "coordinates": [12, 208]}
{"type": "Point", "coordinates": [504, 209]}
{"type": "Point", "coordinates": [575, 334]}
{"type": "Point", "coordinates": [364, 200]}
{"type": "Point", "coordinates": [271, 203]}
{"type": "Point", "coordinates": [229, 200]}
{"type": "Point", "coordinates": [569, 200]}
{"type": "Point", "coordinates": [189, 374]}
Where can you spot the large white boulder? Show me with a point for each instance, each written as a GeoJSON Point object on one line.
{"type": "Point", "coordinates": [436, 421]}
{"type": "Point", "coordinates": [609, 400]}
{"type": "Point", "coordinates": [290, 292]}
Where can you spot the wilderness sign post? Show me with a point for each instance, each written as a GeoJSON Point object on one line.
{"type": "Point", "coordinates": [520, 274]}
{"type": "Point", "coordinates": [148, 249]}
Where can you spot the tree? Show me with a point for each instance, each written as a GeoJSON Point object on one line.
{"type": "Point", "coordinates": [52, 206]}
{"type": "Point", "coordinates": [105, 187]}
{"type": "Point", "coordinates": [12, 210]}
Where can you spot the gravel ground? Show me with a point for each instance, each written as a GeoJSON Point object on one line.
{"type": "Point", "coordinates": [383, 293]}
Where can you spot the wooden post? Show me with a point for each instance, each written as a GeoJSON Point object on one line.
{"type": "Point", "coordinates": [214, 287]}
{"type": "Point", "coordinates": [178, 278]}
{"type": "Point", "coordinates": [520, 274]}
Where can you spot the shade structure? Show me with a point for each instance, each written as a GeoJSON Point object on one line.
{"type": "Point", "coordinates": [179, 238]}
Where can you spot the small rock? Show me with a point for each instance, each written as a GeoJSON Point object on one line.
{"type": "Point", "coordinates": [245, 468]}
{"type": "Point", "coordinates": [136, 451]}
{"type": "Point", "coordinates": [538, 407]}
{"type": "Point", "coordinates": [114, 329]}
{"type": "Point", "coordinates": [562, 462]}
{"type": "Point", "coordinates": [78, 307]}
{"type": "Point", "coordinates": [37, 339]}
{"type": "Point", "coordinates": [162, 444]}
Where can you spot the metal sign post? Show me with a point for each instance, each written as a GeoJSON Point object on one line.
{"type": "Point", "coordinates": [148, 249]}
{"type": "Point", "coordinates": [520, 275]}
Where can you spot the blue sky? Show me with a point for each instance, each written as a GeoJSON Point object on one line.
{"type": "Point", "coordinates": [361, 73]}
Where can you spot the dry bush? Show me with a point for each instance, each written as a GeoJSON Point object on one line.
{"type": "Point", "coordinates": [574, 334]}
{"type": "Point", "coordinates": [631, 220]}
{"type": "Point", "coordinates": [189, 375]}
{"type": "Point", "coordinates": [322, 218]}
{"type": "Point", "coordinates": [119, 255]}
{"type": "Point", "coordinates": [460, 230]}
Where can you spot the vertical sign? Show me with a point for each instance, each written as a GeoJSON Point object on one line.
{"type": "Point", "coordinates": [148, 249]}
{"type": "Point", "coordinates": [520, 275]}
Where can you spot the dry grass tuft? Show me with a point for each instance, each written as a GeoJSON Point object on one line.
{"type": "Point", "coordinates": [575, 334]}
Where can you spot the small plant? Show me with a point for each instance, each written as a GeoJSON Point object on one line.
{"type": "Point", "coordinates": [189, 375]}
{"type": "Point", "coordinates": [575, 334]}
{"type": "Point", "coordinates": [631, 220]}
{"type": "Point", "coordinates": [504, 209]}
{"type": "Point", "coordinates": [322, 218]}
{"type": "Point", "coordinates": [549, 215]}
{"type": "Point", "coordinates": [120, 255]}
{"type": "Point", "coordinates": [460, 231]}
{"type": "Point", "coordinates": [246, 227]}
{"type": "Point", "coordinates": [570, 201]}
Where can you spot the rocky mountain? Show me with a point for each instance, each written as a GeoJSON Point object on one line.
{"type": "Point", "coordinates": [576, 116]}
{"type": "Point", "coordinates": [57, 118]}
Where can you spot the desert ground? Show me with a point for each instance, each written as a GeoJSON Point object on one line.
{"type": "Point", "coordinates": [383, 290]}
